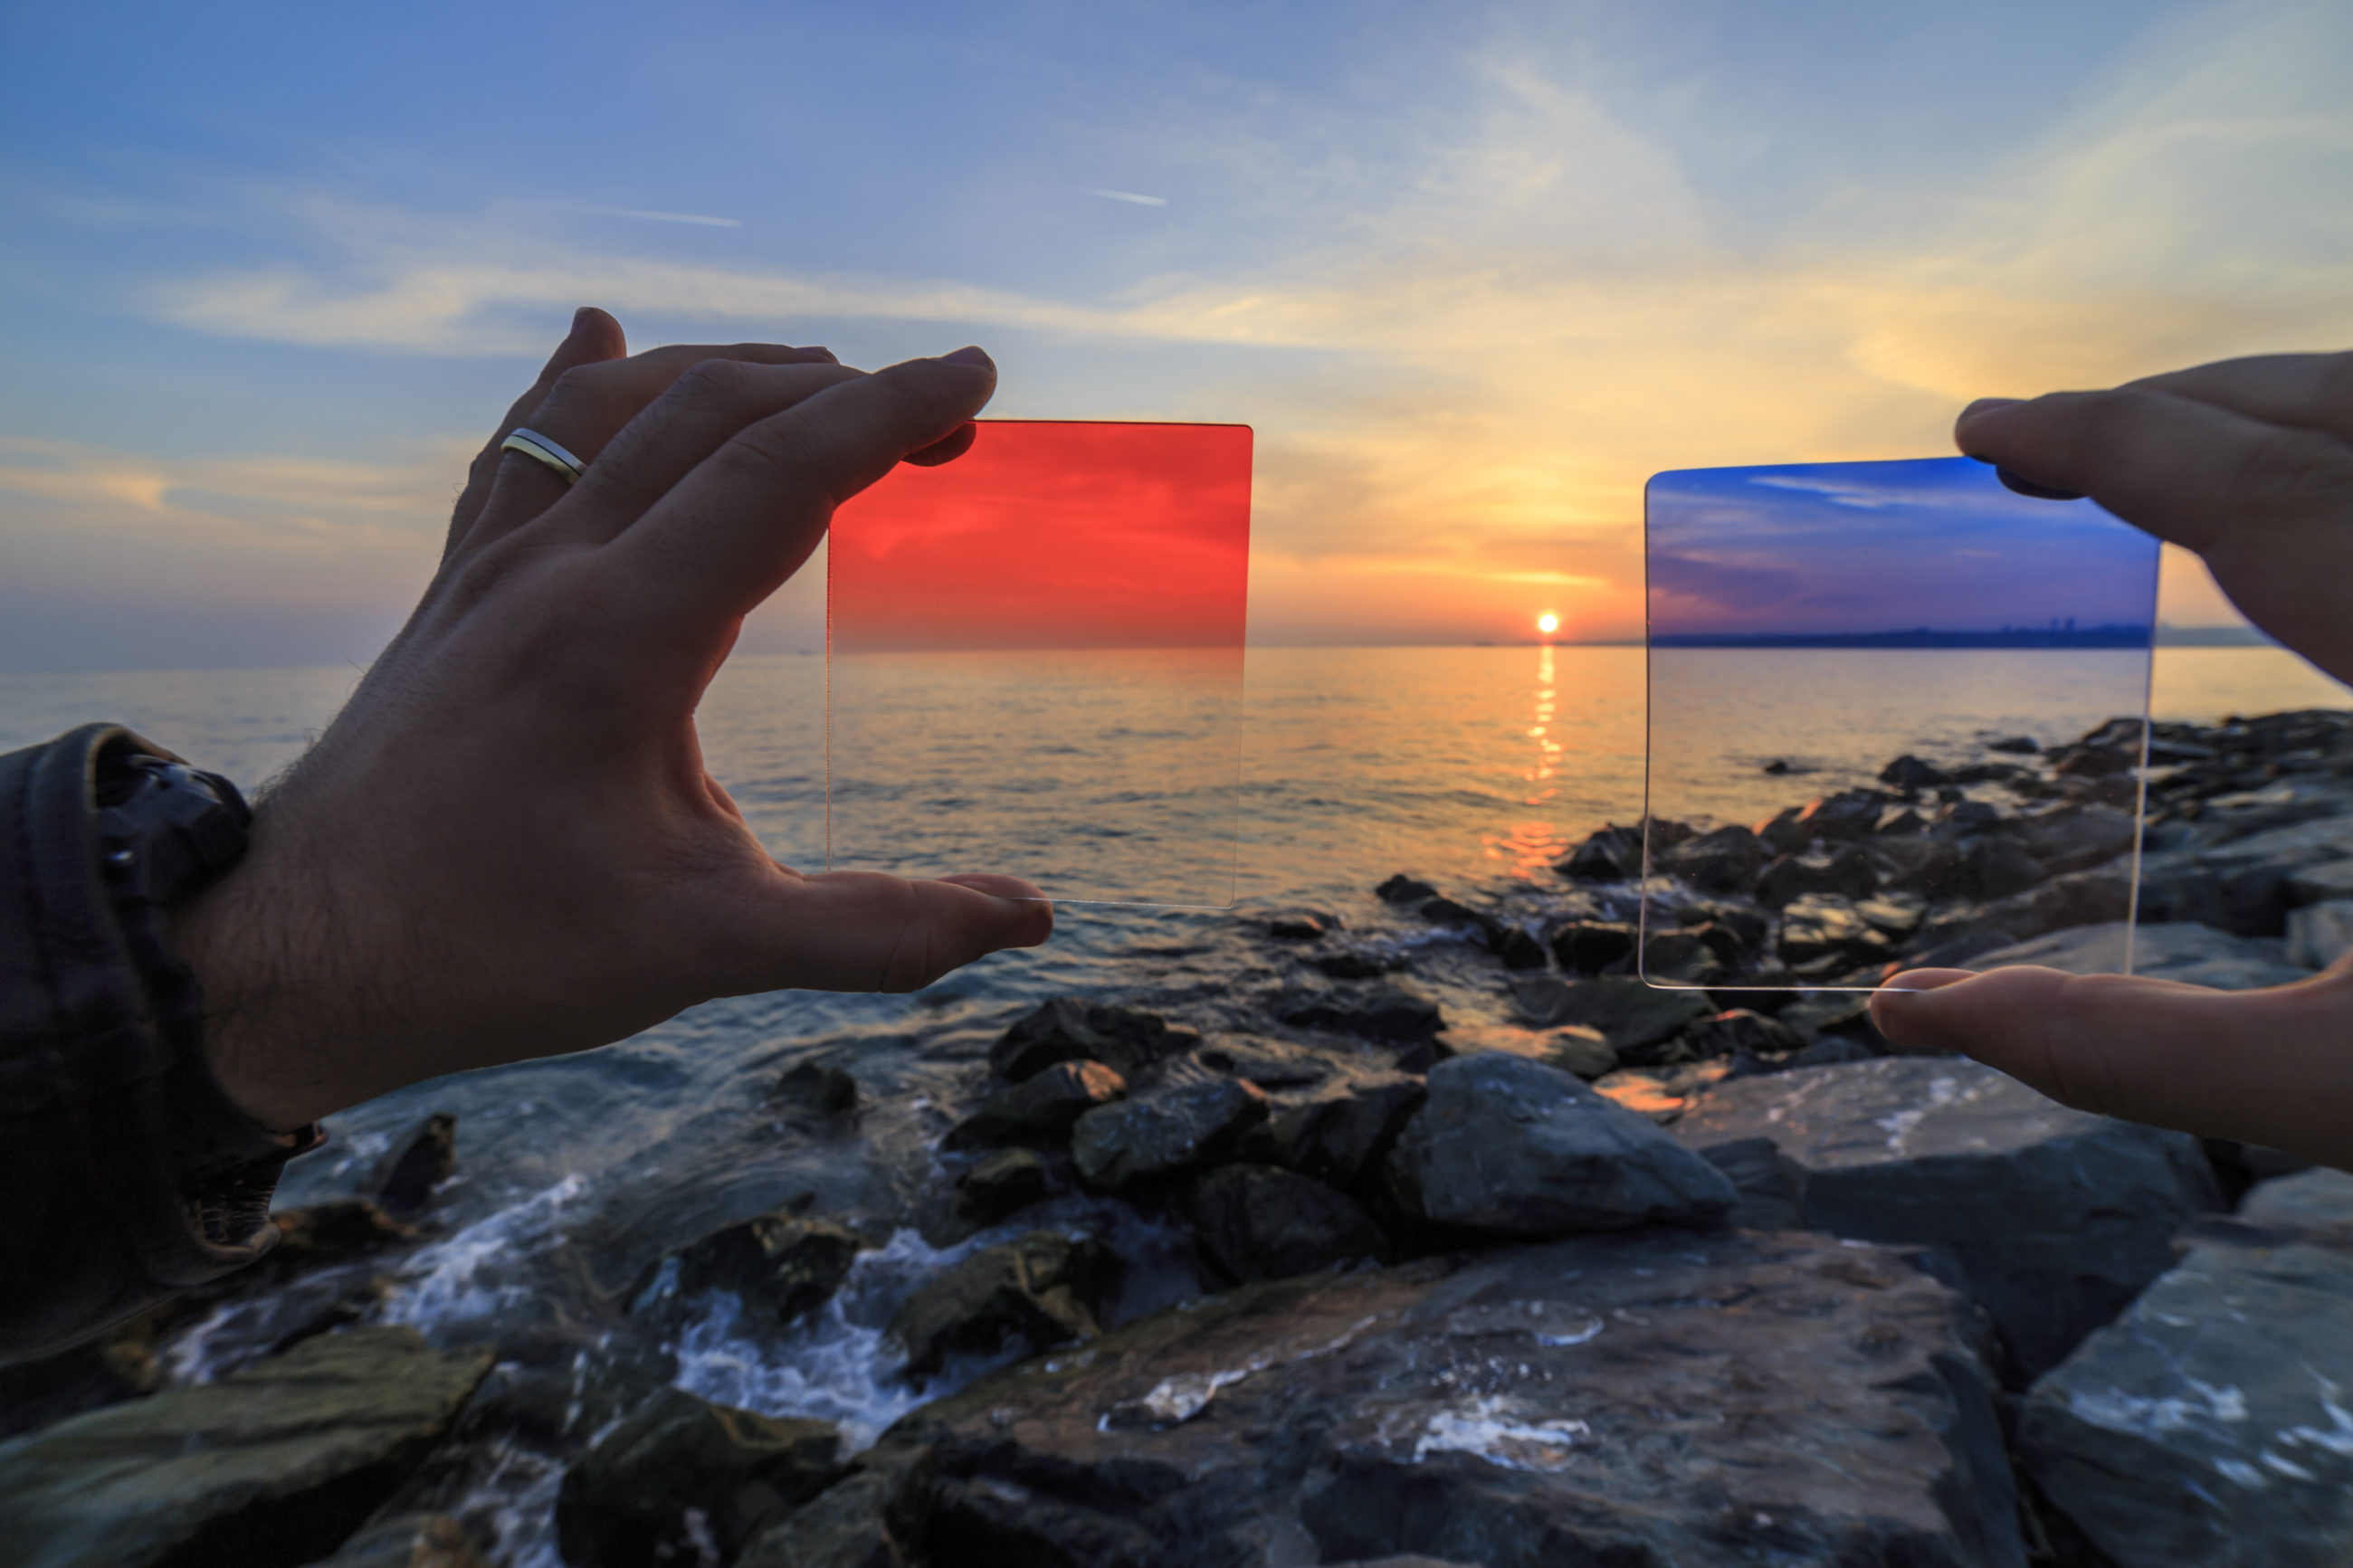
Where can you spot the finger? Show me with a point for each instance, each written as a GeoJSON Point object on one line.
{"type": "Point", "coordinates": [863, 930]}
{"type": "Point", "coordinates": [2305, 391]}
{"type": "Point", "coordinates": [594, 336]}
{"type": "Point", "coordinates": [582, 408]}
{"type": "Point", "coordinates": [722, 539]}
{"type": "Point", "coordinates": [703, 408]}
{"type": "Point", "coordinates": [2269, 1067]}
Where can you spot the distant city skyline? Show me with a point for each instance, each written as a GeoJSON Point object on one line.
{"type": "Point", "coordinates": [1473, 276]}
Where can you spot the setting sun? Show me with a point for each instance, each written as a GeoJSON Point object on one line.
{"type": "Point", "coordinates": [1548, 623]}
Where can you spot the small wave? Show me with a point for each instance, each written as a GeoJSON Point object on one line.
{"type": "Point", "coordinates": [476, 1273]}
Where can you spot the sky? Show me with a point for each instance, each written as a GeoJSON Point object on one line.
{"type": "Point", "coordinates": [1471, 272]}
{"type": "Point", "coordinates": [1848, 548]}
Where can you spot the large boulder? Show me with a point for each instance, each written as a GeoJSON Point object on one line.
{"type": "Point", "coordinates": [878, 1516]}
{"type": "Point", "coordinates": [2056, 1217]}
{"type": "Point", "coordinates": [1633, 1017]}
{"type": "Point", "coordinates": [1041, 1109]}
{"type": "Point", "coordinates": [1506, 1146]}
{"type": "Point", "coordinates": [679, 1466]}
{"type": "Point", "coordinates": [782, 1266]}
{"type": "Point", "coordinates": [271, 1467]}
{"type": "Point", "coordinates": [1169, 1133]}
{"type": "Point", "coordinates": [2195, 954]}
{"type": "Point", "coordinates": [2212, 1423]}
{"type": "Point", "coordinates": [1711, 1400]}
{"type": "Point", "coordinates": [1260, 1222]}
{"type": "Point", "coordinates": [1072, 1030]}
{"type": "Point", "coordinates": [1042, 1289]}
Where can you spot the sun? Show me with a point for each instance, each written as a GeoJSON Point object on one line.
{"type": "Point", "coordinates": [1548, 623]}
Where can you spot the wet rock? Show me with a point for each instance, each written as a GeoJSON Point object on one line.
{"type": "Point", "coordinates": [1041, 1109]}
{"type": "Point", "coordinates": [336, 1231]}
{"type": "Point", "coordinates": [1706, 1400]}
{"type": "Point", "coordinates": [1072, 1029]}
{"type": "Point", "coordinates": [1588, 947]}
{"type": "Point", "coordinates": [679, 1467]}
{"type": "Point", "coordinates": [1662, 1093]}
{"type": "Point", "coordinates": [1846, 872]}
{"type": "Point", "coordinates": [2209, 1424]}
{"type": "Point", "coordinates": [1779, 767]}
{"type": "Point", "coordinates": [1518, 950]}
{"type": "Point", "coordinates": [1631, 1017]}
{"type": "Point", "coordinates": [783, 1266]}
{"type": "Point", "coordinates": [419, 1159]}
{"type": "Point", "coordinates": [2196, 954]}
{"type": "Point", "coordinates": [1572, 1048]}
{"type": "Point", "coordinates": [1909, 772]}
{"type": "Point", "coordinates": [1715, 862]}
{"type": "Point", "coordinates": [1684, 957]}
{"type": "Point", "coordinates": [1825, 925]}
{"type": "Point", "coordinates": [2075, 837]}
{"type": "Point", "coordinates": [1268, 1063]}
{"type": "Point", "coordinates": [1994, 867]}
{"type": "Point", "coordinates": [1260, 1222]}
{"type": "Point", "coordinates": [1343, 1138]}
{"type": "Point", "coordinates": [1848, 815]}
{"type": "Point", "coordinates": [1167, 1134]}
{"type": "Point", "coordinates": [878, 1517]}
{"type": "Point", "coordinates": [2017, 745]}
{"type": "Point", "coordinates": [1303, 925]}
{"type": "Point", "coordinates": [410, 1541]}
{"type": "Point", "coordinates": [2319, 934]}
{"type": "Point", "coordinates": [1738, 1032]}
{"type": "Point", "coordinates": [1612, 855]}
{"type": "Point", "coordinates": [1042, 1289]}
{"type": "Point", "coordinates": [1352, 965]}
{"type": "Point", "coordinates": [2318, 884]}
{"type": "Point", "coordinates": [277, 1464]}
{"type": "Point", "coordinates": [2054, 1218]}
{"type": "Point", "coordinates": [1002, 1184]}
{"type": "Point", "coordinates": [1404, 890]}
{"type": "Point", "coordinates": [1442, 912]}
{"type": "Point", "coordinates": [1511, 1147]}
{"type": "Point", "coordinates": [819, 1089]}
{"type": "Point", "coordinates": [1392, 1012]}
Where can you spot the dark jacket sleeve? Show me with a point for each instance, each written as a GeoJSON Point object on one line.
{"type": "Point", "coordinates": [127, 1174]}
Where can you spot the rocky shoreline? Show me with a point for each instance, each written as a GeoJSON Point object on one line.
{"type": "Point", "coordinates": [1435, 1236]}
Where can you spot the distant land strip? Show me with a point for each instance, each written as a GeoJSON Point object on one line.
{"type": "Point", "coordinates": [2111, 636]}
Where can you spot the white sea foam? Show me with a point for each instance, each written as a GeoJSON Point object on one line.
{"type": "Point", "coordinates": [475, 1273]}
{"type": "Point", "coordinates": [1484, 1427]}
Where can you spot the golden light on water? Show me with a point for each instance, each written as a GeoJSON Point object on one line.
{"type": "Point", "coordinates": [1548, 623]}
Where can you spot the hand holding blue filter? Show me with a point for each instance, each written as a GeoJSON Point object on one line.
{"type": "Point", "coordinates": [1897, 719]}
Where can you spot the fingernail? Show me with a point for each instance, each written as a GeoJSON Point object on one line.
{"type": "Point", "coordinates": [1988, 404]}
{"type": "Point", "coordinates": [579, 320]}
{"type": "Point", "coordinates": [822, 351]}
{"type": "Point", "coordinates": [1917, 980]}
{"type": "Point", "coordinates": [971, 356]}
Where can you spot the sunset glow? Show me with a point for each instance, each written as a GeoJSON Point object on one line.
{"type": "Point", "coordinates": [1548, 623]}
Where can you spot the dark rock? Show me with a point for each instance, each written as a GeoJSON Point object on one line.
{"type": "Point", "coordinates": [1041, 1109]}
{"type": "Point", "coordinates": [681, 1466]}
{"type": "Point", "coordinates": [2018, 745]}
{"type": "Point", "coordinates": [819, 1089]}
{"type": "Point", "coordinates": [1682, 957]}
{"type": "Point", "coordinates": [1715, 862]}
{"type": "Point", "coordinates": [1002, 1184]}
{"type": "Point", "coordinates": [880, 1517]}
{"type": "Point", "coordinates": [1902, 823]}
{"type": "Point", "coordinates": [1704, 1400]}
{"type": "Point", "coordinates": [1511, 1147]}
{"type": "Point", "coordinates": [1404, 890]}
{"type": "Point", "coordinates": [1268, 1063]}
{"type": "Point", "coordinates": [272, 1467]}
{"type": "Point", "coordinates": [2319, 934]}
{"type": "Point", "coordinates": [1352, 965]}
{"type": "Point", "coordinates": [1846, 872]}
{"type": "Point", "coordinates": [2318, 884]}
{"type": "Point", "coordinates": [419, 1161]}
{"type": "Point", "coordinates": [1260, 1222]}
{"type": "Point", "coordinates": [2074, 838]}
{"type": "Point", "coordinates": [1909, 772]}
{"type": "Point", "coordinates": [1343, 1138]}
{"type": "Point", "coordinates": [1393, 1012]}
{"type": "Point", "coordinates": [1448, 912]}
{"type": "Point", "coordinates": [410, 1541]}
{"type": "Point", "coordinates": [1738, 1032]}
{"type": "Point", "coordinates": [1782, 834]}
{"type": "Point", "coordinates": [1631, 1017]}
{"type": "Point", "coordinates": [1966, 818]}
{"type": "Point", "coordinates": [1518, 950]}
{"type": "Point", "coordinates": [1848, 815]}
{"type": "Point", "coordinates": [2056, 1217]}
{"type": "Point", "coordinates": [1303, 925]}
{"type": "Point", "coordinates": [1730, 929]}
{"type": "Point", "coordinates": [1777, 766]}
{"type": "Point", "coordinates": [1070, 1029]}
{"type": "Point", "coordinates": [1612, 855]}
{"type": "Point", "coordinates": [1772, 1186]}
{"type": "Point", "coordinates": [2209, 1423]}
{"type": "Point", "coordinates": [1588, 947]}
{"type": "Point", "coordinates": [1994, 867]}
{"type": "Point", "coordinates": [1176, 1131]}
{"type": "Point", "coordinates": [2195, 954]}
{"type": "Point", "coordinates": [782, 1267]}
{"type": "Point", "coordinates": [336, 1231]}
{"type": "Point", "coordinates": [1042, 1289]}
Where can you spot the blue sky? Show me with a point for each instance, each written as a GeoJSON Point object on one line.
{"type": "Point", "coordinates": [1473, 273]}
{"type": "Point", "coordinates": [1880, 547]}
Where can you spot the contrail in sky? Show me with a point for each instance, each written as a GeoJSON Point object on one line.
{"type": "Point", "coordinates": [1124, 196]}
{"type": "Point", "coordinates": [669, 218]}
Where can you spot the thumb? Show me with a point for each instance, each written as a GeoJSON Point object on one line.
{"type": "Point", "coordinates": [2270, 1066]}
{"type": "Point", "coordinates": [863, 930]}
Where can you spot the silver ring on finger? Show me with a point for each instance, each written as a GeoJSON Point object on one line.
{"type": "Point", "coordinates": [532, 444]}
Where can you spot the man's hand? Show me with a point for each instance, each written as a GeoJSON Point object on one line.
{"type": "Point", "coordinates": [506, 845]}
{"type": "Point", "coordinates": [2250, 463]}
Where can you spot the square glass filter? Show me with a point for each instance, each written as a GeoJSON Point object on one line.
{"type": "Point", "coordinates": [1897, 719]}
{"type": "Point", "coordinates": [1034, 662]}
